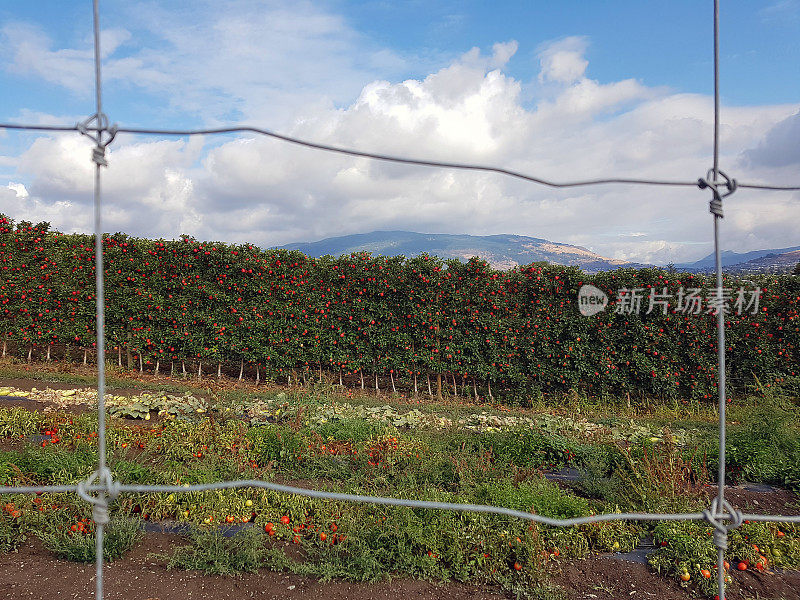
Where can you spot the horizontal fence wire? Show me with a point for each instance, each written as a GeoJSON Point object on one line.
{"type": "Point", "coordinates": [423, 162]}
{"type": "Point", "coordinates": [118, 488]}
{"type": "Point", "coordinates": [105, 488]}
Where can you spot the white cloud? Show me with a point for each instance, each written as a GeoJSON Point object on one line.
{"type": "Point", "coordinates": [29, 52]}
{"type": "Point", "coordinates": [19, 189]}
{"type": "Point", "coordinates": [563, 61]}
{"type": "Point", "coordinates": [780, 147]}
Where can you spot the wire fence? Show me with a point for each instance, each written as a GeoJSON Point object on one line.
{"type": "Point", "coordinates": [101, 487]}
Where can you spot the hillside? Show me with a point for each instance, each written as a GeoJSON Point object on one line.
{"type": "Point", "coordinates": [500, 251]}
{"type": "Point", "coordinates": [761, 261]}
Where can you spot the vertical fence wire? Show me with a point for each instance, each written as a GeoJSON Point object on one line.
{"type": "Point", "coordinates": [99, 298]}
{"type": "Point", "coordinates": [720, 322]}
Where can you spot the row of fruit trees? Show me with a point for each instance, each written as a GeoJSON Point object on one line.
{"type": "Point", "coordinates": [279, 313]}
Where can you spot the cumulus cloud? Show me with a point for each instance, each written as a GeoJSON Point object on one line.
{"type": "Point", "coordinates": [563, 61]}
{"type": "Point", "coordinates": [780, 146]}
{"type": "Point", "coordinates": [251, 188]}
{"type": "Point", "coordinates": [19, 189]}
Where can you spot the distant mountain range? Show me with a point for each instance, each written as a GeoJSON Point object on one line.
{"type": "Point", "coordinates": [507, 251]}
{"type": "Point", "coordinates": [500, 251]}
{"type": "Point", "coordinates": [737, 259]}
{"type": "Point", "coordinates": [773, 262]}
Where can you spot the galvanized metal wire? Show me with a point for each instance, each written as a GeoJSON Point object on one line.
{"type": "Point", "coordinates": [101, 487]}
{"type": "Point", "coordinates": [422, 162]}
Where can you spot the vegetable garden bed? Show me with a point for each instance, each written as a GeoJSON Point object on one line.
{"type": "Point", "coordinates": [345, 444]}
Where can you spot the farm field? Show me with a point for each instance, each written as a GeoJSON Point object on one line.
{"type": "Point", "coordinates": [572, 458]}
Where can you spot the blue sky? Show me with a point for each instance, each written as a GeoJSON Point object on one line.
{"type": "Point", "coordinates": [552, 88]}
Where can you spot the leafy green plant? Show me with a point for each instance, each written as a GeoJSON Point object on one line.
{"type": "Point", "coordinates": [686, 550]}
{"type": "Point", "coordinates": [766, 446]}
{"type": "Point", "coordinates": [274, 443]}
{"type": "Point", "coordinates": [659, 477]}
{"type": "Point", "coordinates": [219, 552]}
{"type": "Point", "coordinates": [13, 525]}
{"type": "Point", "coordinates": [74, 539]}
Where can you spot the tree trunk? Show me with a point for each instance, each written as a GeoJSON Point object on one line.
{"type": "Point", "coordinates": [258, 374]}
{"type": "Point", "coordinates": [455, 387]}
{"type": "Point", "coordinates": [219, 370]}
{"type": "Point", "coordinates": [5, 346]}
{"type": "Point", "coordinates": [128, 354]}
{"type": "Point", "coordinates": [183, 368]}
{"type": "Point", "coordinates": [430, 392]}
{"type": "Point", "coordinates": [85, 352]}
{"type": "Point", "coordinates": [241, 369]}
{"type": "Point", "coordinates": [158, 364]}
{"type": "Point", "coordinates": [141, 363]}
{"type": "Point", "coordinates": [48, 351]}
{"type": "Point", "coordinates": [439, 386]}
{"type": "Point", "coordinates": [340, 377]}
{"type": "Point", "coordinates": [362, 378]}
{"type": "Point", "coordinates": [475, 389]}
{"type": "Point", "coordinates": [119, 356]}
{"type": "Point", "coordinates": [415, 383]}
{"type": "Point", "coordinates": [489, 384]}
{"type": "Point", "coordinates": [30, 351]}
{"type": "Point", "coordinates": [200, 370]}
{"type": "Point", "coordinates": [377, 389]}
{"type": "Point", "coordinates": [391, 376]}
{"type": "Point", "coordinates": [171, 369]}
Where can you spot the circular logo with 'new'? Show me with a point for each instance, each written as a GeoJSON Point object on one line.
{"type": "Point", "coordinates": [591, 300]}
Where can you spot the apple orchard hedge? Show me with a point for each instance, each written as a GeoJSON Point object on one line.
{"type": "Point", "coordinates": [279, 312]}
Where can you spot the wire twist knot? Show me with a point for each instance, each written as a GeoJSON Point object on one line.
{"type": "Point", "coordinates": [715, 206]}
{"type": "Point", "coordinates": [109, 489]}
{"type": "Point", "coordinates": [97, 128]}
{"type": "Point", "coordinates": [715, 518]}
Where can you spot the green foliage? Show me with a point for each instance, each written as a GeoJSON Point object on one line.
{"type": "Point", "coordinates": [120, 535]}
{"type": "Point", "coordinates": [527, 447]}
{"type": "Point", "coordinates": [221, 552]}
{"type": "Point", "coordinates": [513, 334]}
{"type": "Point", "coordinates": [689, 547]}
{"type": "Point", "coordinates": [766, 446]}
{"type": "Point", "coordinates": [18, 422]}
{"type": "Point", "coordinates": [356, 431]}
{"type": "Point", "coordinates": [541, 497]}
{"type": "Point", "coordinates": [460, 458]}
{"type": "Point", "coordinates": [14, 525]}
{"type": "Point", "coordinates": [56, 465]}
{"type": "Point", "coordinates": [278, 444]}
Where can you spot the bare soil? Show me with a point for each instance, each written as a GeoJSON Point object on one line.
{"type": "Point", "coordinates": [33, 573]}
